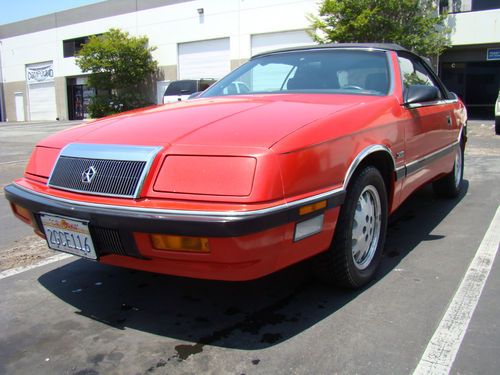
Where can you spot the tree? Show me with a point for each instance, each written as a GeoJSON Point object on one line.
{"type": "Point", "coordinates": [414, 24]}
{"type": "Point", "coordinates": [120, 66]}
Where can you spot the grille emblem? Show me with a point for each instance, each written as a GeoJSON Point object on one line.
{"type": "Point", "coordinates": [89, 174]}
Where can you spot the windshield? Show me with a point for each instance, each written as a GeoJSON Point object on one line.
{"type": "Point", "coordinates": [310, 71]}
{"type": "Point", "coordinates": [185, 87]}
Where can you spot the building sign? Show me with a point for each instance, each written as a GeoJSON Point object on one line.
{"type": "Point", "coordinates": [40, 73]}
{"type": "Point", "coordinates": [493, 54]}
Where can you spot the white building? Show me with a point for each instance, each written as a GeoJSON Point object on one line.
{"type": "Point", "coordinates": [204, 39]}
{"type": "Point", "coordinates": [471, 68]}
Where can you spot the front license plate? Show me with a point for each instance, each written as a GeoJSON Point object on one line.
{"type": "Point", "coordinates": [68, 235]}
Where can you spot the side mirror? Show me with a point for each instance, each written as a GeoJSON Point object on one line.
{"type": "Point", "coordinates": [421, 93]}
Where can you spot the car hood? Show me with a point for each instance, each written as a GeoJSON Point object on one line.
{"type": "Point", "coordinates": [251, 121]}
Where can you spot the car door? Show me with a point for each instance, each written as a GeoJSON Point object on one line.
{"type": "Point", "coordinates": [430, 126]}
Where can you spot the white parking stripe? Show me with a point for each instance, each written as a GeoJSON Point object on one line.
{"type": "Point", "coordinates": [444, 345]}
{"type": "Point", "coordinates": [13, 162]}
{"type": "Point", "coordinates": [17, 270]}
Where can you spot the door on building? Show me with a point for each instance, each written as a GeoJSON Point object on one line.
{"type": "Point", "coordinates": [204, 59]}
{"type": "Point", "coordinates": [41, 91]}
{"type": "Point", "coordinates": [477, 83]}
{"type": "Point", "coordinates": [285, 39]}
{"type": "Point", "coordinates": [42, 99]}
{"type": "Point", "coordinates": [79, 96]}
{"type": "Point", "coordinates": [482, 83]}
{"type": "Point", "coordinates": [19, 102]}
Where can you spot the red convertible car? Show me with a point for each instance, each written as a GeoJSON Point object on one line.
{"type": "Point", "coordinates": [325, 143]}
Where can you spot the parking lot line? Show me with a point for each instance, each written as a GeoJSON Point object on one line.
{"type": "Point", "coordinates": [13, 162]}
{"type": "Point", "coordinates": [443, 347]}
{"type": "Point", "coordinates": [17, 270]}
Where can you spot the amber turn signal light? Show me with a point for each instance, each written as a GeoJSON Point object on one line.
{"type": "Point", "coordinates": [304, 210]}
{"type": "Point", "coordinates": [180, 243]}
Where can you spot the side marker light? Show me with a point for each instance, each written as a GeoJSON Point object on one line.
{"type": "Point", "coordinates": [304, 210]}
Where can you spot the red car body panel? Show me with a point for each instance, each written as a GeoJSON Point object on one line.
{"type": "Point", "coordinates": [234, 258]}
{"type": "Point", "coordinates": [278, 150]}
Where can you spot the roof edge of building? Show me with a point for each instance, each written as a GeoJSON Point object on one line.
{"type": "Point", "coordinates": [84, 13]}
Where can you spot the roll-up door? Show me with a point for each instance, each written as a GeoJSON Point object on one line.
{"type": "Point", "coordinates": [41, 92]}
{"type": "Point", "coordinates": [285, 39]}
{"type": "Point", "coordinates": [204, 59]}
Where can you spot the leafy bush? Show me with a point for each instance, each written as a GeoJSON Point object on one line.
{"type": "Point", "coordinates": [119, 64]}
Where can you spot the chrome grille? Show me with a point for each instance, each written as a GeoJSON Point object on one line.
{"type": "Point", "coordinates": [112, 170]}
{"type": "Point", "coordinates": [112, 177]}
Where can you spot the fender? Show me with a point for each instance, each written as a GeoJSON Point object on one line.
{"type": "Point", "coordinates": [365, 153]}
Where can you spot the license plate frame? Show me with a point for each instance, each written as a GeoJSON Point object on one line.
{"type": "Point", "coordinates": [68, 235]}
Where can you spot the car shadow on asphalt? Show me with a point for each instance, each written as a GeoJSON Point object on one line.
{"type": "Point", "coordinates": [242, 315]}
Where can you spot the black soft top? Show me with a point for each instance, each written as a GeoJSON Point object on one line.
{"type": "Point", "coordinates": [379, 46]}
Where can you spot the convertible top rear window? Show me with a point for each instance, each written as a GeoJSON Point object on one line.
{"type": "Point", "coordinates": [183, 87]}
{"type": "Point", "coordinates": [344, 71]}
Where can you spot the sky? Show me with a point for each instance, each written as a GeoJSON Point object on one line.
{"type": "Point", "coordinates": [16, 10]}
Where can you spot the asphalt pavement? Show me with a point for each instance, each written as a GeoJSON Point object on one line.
{"type": "Point", "coordinates": [16, 144]}
{"type": "Point", "coordinates": [79, 317]}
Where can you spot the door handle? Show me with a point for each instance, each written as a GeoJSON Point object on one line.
{"type": "Point", "coordinates": [448, 120]}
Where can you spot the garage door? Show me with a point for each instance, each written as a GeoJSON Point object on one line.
{"type": "Point", "coordinates": [41, 91]}
{"type": "Point", "coordinates": [42, 98]}
{"type": "Point", "coordinates": [272, 75]}
{"type": "Point", "coordinates": [271, 41]}
{"type": "Point", "coordinates": [204, 59]}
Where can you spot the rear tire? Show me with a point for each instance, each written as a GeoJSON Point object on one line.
{"type": "Point", "coordinates": [450, 185]}
{"type": "Point", "coordinates": [497, 125]}
{"type": "Point", "coordinates": [356, 249]}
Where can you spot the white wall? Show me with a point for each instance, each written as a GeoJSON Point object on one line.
{"type": "Point", "coordinates": [165, 27]}
{"type": "Point", "coordinates": [169, 25]}
{"type": "Point", "coordinates": [19, 51]}
{"type": "Point", "coordinates": [475, 27]}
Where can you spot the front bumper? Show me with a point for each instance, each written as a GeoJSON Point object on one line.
{"type": "Point", "coordinates": [244, 245]}
{"type": "Point", "coordinates": [187, 223]}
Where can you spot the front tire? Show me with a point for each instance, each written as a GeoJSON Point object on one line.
{"type": "Point", "coordinates": [356, 249]}
{"type": "Point", "coordinates": [450, 185]}
{"type": "Point", "coordinates": [497, 125]}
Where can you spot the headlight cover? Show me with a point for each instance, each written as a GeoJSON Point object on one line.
{"type": "Point", "coordinates": [206, 175]}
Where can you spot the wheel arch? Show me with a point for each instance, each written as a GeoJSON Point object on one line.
{"type": "Point", "coordinates": [381, 158]}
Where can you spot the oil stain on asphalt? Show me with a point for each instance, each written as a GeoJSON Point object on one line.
{"type": "Point", "coordinates": [252, 323]}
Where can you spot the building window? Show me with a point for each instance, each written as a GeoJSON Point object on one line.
{"type": "Point", "coordinates": [460, 6]}
{"type": "Point", "coordinates": [444, 6]}
{"type": "Point", "coordinates": [71, 47]}
{"type": "Point", "coordinates": [485, 4]}
{"type": "Point", "coordinates": [455, 6]}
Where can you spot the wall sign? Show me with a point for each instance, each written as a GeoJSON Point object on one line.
{"type": "Point", "coordinates": [493, 54]}
{"type": "Point", "coordinates": [40, 73]}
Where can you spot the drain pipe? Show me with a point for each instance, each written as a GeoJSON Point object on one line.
{"type": "Point", "coordinates": [2, 102]}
